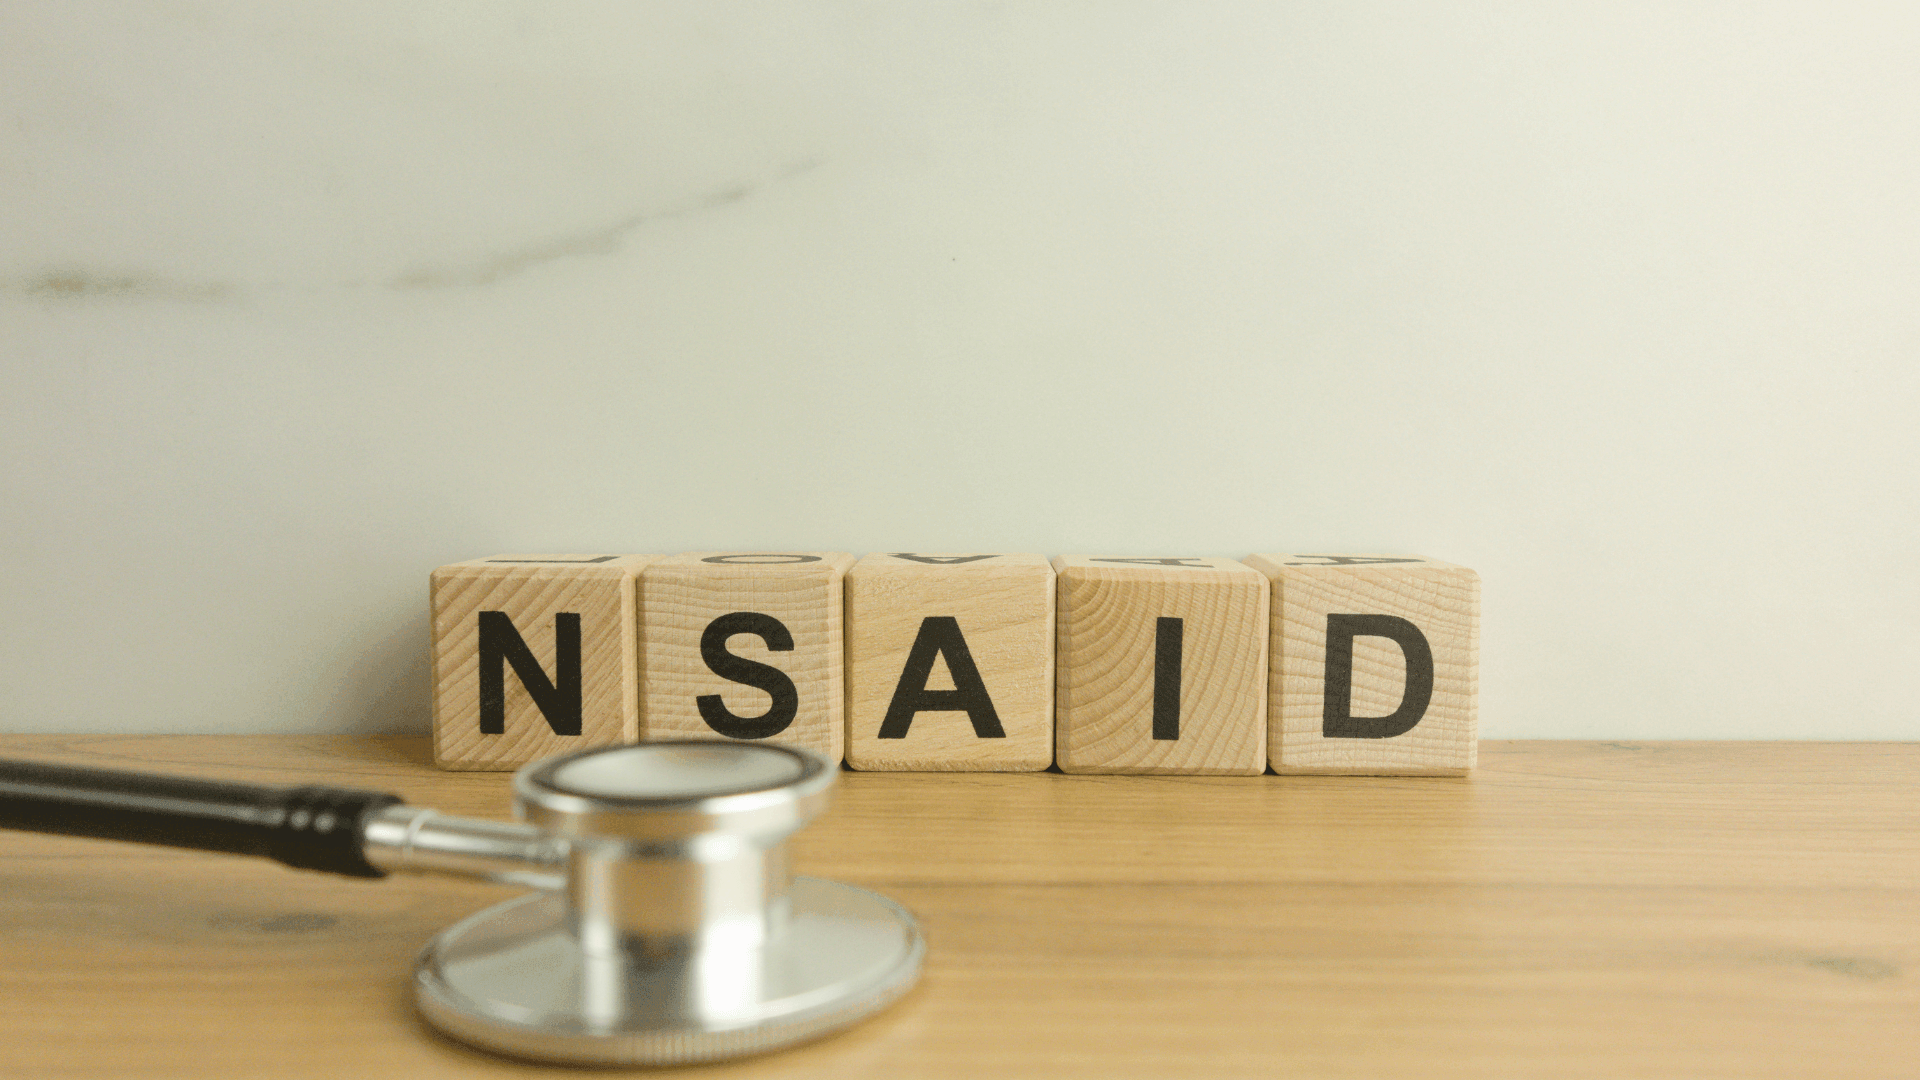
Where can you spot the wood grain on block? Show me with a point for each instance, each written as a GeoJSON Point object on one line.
{"type": "Point", "coordinates": [745, 645]}
{"type": "Point", "coordinates": [950, 662]}
{"type": "Point", "coordinates": [533, 655]}
{"type": "Point", "coordinates": [1161, 666]}
{"type": "Point", "coordinates": [1375, 664]}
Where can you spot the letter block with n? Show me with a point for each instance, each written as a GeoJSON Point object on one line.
{"type": "Point", "coordinates": [533, 655]}
{"type": "Point", "coordinates": [744, 645]}
{"type": "Point", "coordinates": [1375, 664]}
{"type": "Point", "coordinates": [1162, 666]}
{"type": "Point", "coordinates": [950, 663]}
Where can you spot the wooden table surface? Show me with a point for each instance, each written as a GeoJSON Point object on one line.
{"type": "Point", "coordinates": [1573, 909]}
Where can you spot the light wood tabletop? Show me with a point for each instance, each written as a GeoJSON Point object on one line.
{"type": "Point", "coordinates": [1572, 909]}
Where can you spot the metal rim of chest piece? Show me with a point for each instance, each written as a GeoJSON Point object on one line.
{"type": "Point", "coordinates": [682, 936]}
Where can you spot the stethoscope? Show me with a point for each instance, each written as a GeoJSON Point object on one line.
{"type": "Point", "coordinates": [667, 927]}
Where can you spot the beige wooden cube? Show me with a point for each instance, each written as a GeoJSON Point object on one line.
{"type": "Point", "coordinates": [1375, 664]}
{"type": "Point", "coordinates": [1161, 666]}
{"type": "Point", "coordinates": [533, 655]}
{"type": "Point", "coordinates": [745, 645]}
{"type": "Point", "coordinates": [950, 663]}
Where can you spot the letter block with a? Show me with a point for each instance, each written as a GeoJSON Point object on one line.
{"type": "Point", "coordinates": [1375, 664]}
{"type": "Point", "coordinates": [1161, 666]}
{"type": "Point", "coordinates": [745, 645]}
{"type": "Point", "coordinates": [950, 663]}
{"type": "Point", "coordinates": [533, 655]}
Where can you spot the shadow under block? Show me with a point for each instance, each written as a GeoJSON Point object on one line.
{"type": "Point", "coordinates": [745, 645]}
{"type": "Point", "coordinates": [1376, 664]}
{"type": "Point", "coordinates": [533, 655]}
{"type": "Point", "coordinates": [950, 663]}
{"type": "Point", "coordinates": [1161, 666]}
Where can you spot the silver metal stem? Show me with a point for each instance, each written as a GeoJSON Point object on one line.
{"type": "Point", "coordinates": [411, 839]}
{"type": "Point", "coordinates": [709, 891]}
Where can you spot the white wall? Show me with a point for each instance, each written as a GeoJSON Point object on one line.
{"type": "Point", "coordinates": [1616, 302]}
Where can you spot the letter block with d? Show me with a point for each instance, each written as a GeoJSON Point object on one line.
{"type": "Point", "coordinates": [1375, 664]}
{"type": "Point", "coordinates": [950, 663]}
{"type": "Point", "coordinates": [1162, 666]}
{"type": "Point", "coordinates": [745, 645]}
{"type": "Point", "coordinates": [533, 655]}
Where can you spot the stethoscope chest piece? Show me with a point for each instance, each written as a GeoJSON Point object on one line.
{"type": "Point", "coordinates": [680, 935]}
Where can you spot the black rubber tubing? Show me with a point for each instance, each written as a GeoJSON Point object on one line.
{"type": "Point", "coordinates": [313, 828]}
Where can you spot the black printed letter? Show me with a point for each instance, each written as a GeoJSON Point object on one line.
{"type": "Point", "coordinates": [940, 636]}
{"type": "Point", "coordinates": [1201, 564]}
{"type": "Point", "coordinates": [1348, 560]}
{"type": "Point", "coordinates": [713, 649]}
{"type": "Point", "coordinates": [558, 700]}
{"type": "Point", "coordinates": [760, 560]}
{"type": "Point", "coordinates": [1336, 717]}
{"type": "Point", "coordinates": [941, 560]}
{"type": "Point", "coordinates": [1168, 638]}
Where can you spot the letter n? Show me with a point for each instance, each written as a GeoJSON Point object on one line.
{"type": "Point", "coordinates": [558, 699]}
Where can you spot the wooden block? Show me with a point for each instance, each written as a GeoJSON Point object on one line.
{"type": "Point", "coordinates": [745, 645]}
{"type": "Point", "coordinates": [1375, 664]}
{"type": "Point", "coordinates": [950, 663]}
{"type": "Point", "coordinates": [533, 655]}
{"type": "Point", "coordinates": [1161, 666]}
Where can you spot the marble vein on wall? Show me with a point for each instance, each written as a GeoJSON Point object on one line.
{"type": "Point", "coordinates": [73, 282]}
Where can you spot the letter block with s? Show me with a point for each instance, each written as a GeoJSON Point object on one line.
{"type": "Point", "coordinates": [744, 645]}
{"type": "Point", "coordinates": [950, 662]}
{"type": "Point", "coordinates": [533, 655]}
{"type": "Point", "coordinates": [1375, 663]}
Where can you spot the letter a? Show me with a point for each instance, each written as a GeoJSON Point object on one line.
{"type": "Point", "coordinates": [940, 636]}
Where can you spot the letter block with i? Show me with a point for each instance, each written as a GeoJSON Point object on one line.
{"type": "Point", "coordinates": [950, 663]}
{"type": "Point", "coordinates": [1161, 666]}
{"type": "Point", "coordinates": [745, 645]}
{"type": "Point", "coordinates": [1375, 664]}
{"type": "Point", "coordinates": [533, 655]}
